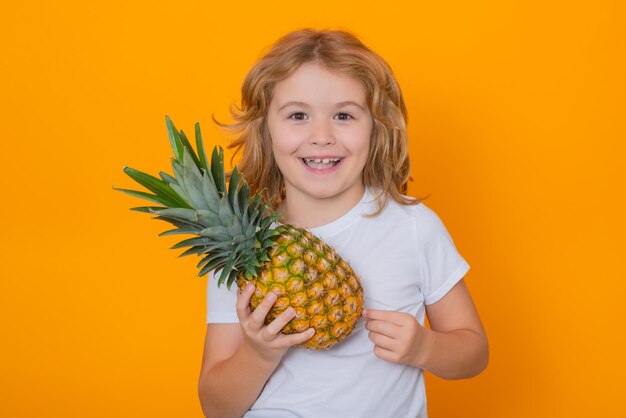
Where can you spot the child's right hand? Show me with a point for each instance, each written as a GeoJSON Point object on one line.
{"type": "Point", "coordinates": [266, 340]}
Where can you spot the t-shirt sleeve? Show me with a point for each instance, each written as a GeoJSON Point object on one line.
{"type": "Point", "coordinates": [221, 302]}
{"type": "Point", "coordinates": [441, 265]}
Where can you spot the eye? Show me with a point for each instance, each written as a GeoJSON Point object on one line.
{"type": "Point", "coordinates": [344, 116]}
{"type": "Point", "coordinates": [297, 116]}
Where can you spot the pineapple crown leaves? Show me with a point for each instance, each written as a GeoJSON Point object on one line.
{"type": "Point", "coordinates": [232, 231]}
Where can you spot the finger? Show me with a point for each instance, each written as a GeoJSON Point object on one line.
{"type": "Point", "coordinates": [383, 327]}
{"type": "Point", "coordinates": [283, 319]}
{"type": "Point", "coordinates": [293, 339]}
{"type": "Point", "coordinates": [257, 318]}
{"type": "Point", "coordinates": [382, 341]}
{"type": "Point", "coordinates": [243, 301]}
{"type": "Point", "coordinates": [389, 316]}
{"type": "Point", "coordinates": [385, 354]}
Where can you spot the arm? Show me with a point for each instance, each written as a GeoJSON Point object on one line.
{"type": "Point", "coordinates": [454, 348]}
{"type": "Point", "coordinates": [239, 358]}
{"type": "Point", "coordinates": [222, 389]}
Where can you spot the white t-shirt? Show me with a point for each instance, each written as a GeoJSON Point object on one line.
{"type": "Point", "coordinates": [405, 260]}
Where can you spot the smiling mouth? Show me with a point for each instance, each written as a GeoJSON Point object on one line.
{"type": "Point", "coordinates": [321, 163]}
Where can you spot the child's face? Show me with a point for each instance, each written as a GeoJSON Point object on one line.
{"type": "Point", "coordinates": [321, 143]}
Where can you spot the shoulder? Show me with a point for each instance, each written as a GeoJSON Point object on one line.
{"type": "Point", "coordinates": [428, 223]}
{"type": "Point", "coordinates": [425, 217]}
{"type": "Point", "coordinates": [419, 213]}
{"type": "Point", "coordinates": [418, 219]}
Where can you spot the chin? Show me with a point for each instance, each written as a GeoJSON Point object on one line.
{"type": "Point", "coordinates": [325, 193]}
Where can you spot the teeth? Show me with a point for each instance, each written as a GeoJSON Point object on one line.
{"type": "Point", "coordinates": [321, 163]}
{"type": "Point", "coordinates": [322, 160]}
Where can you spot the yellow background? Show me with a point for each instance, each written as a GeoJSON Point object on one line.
{"type": "Point", "coordinates": [516, 119]}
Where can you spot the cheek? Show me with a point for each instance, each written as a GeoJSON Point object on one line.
{"type": "Point", "coordinates": [284, 140]}
{"type": "Point", "coordinates": [359, 142]}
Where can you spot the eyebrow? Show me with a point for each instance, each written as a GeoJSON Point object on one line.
{"type": "Point", "coordinates": [340, 104]}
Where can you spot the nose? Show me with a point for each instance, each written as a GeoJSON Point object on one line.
{"type": "Point", "coordinates": [322, 133]}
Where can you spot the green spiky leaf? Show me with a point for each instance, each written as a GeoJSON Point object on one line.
{"type": "Point", "coordinates": [217, 169]}
{"type": "Point", "coordinates": [226, 274]}
{"type": "Point", "coordinates": [167, 178]}
{"type": "Point", "coordinates": [156, 186]}
{"type": "Point", "coordinates": [180, 231]}
{"type": "Point", "coordinates": [191, 251]}
{"type": "Point", "coordinates": [213, 265]}
{"type": "Point", "coordinates": [233, 186]}
{"type": "Point", "coordinates": [216, 233]}
{"type": "Point", "coordinates": [243, 197]}
{"type": "Point", "coordinates": [175, 142]}
{"type": "Point", "coordinates": [147, 196]}
{"type": "Point", "coordinates": [191, 242]}
{"type": "Point", "coordinates": [200, 147]}
{"type": "Point", "coordinates": [187, 146]}
{"type": "Point", "coordinates": [147, 209]}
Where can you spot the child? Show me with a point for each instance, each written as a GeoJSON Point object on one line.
{"type": "Point", "coordinates": [322, 127]}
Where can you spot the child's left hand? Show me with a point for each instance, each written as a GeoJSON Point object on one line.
{"type": "Point", "coordinates": [397, 336]}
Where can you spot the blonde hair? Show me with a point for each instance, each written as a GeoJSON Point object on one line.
{"type": "Point", "coordinates": [387, 168]}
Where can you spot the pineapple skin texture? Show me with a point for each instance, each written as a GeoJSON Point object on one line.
{"type": "Point", "coordinates": [308, 275]}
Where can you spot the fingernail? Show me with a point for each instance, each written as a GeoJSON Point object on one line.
{"type": "Point", "coordinates": [311, 331]}
{"type": "Point", "coordinates": [271, 296]}
{"type": "Point", "coordinates": [249, 287]}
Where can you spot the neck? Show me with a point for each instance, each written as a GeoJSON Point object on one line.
{"type": "Point", "coordinates": [309, 212]}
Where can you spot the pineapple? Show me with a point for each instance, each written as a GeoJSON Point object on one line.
{"type": "Point", "coordinates": [234, 233]}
